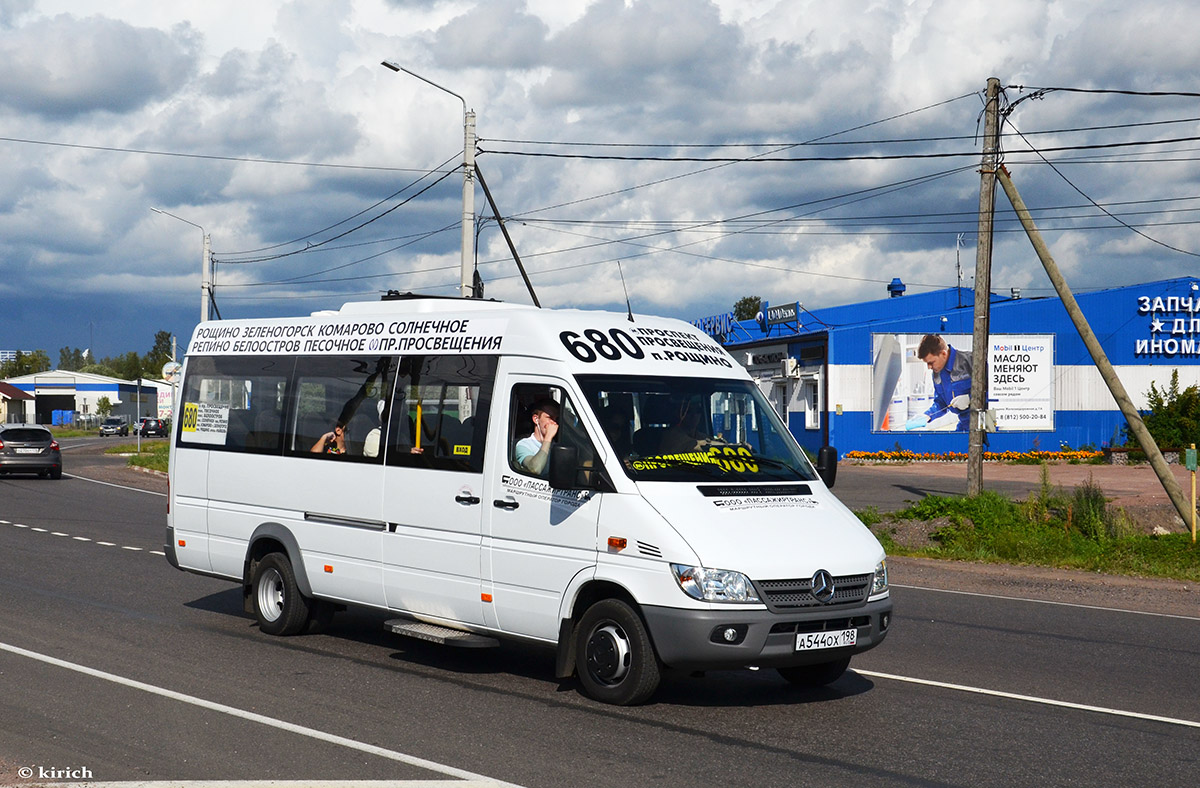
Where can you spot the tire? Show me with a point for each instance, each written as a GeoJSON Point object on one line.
{"type": "Point", "coordinates": [815, 675]}
{"type": "Point", "coordinates": [56, 473]}
{"type": "Point", "coordinates": [614, 657]}
{"type": "Point", "coordinates": [278, 604]}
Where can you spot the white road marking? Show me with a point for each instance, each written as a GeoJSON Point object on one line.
{"type": "Point", "coordinates": [1031, 699]}
{"type": "Point", "coordinates": [286, 784]}
{"type": "Point", "coordinates": [1048, 602]}
{"type": "Point", "coordinates": [312, 733]}
{"type": "Point", "coordinates": [118, 486]}
{"type": "Point", "coordinates": [131, 548]}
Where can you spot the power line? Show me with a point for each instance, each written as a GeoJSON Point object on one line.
{"type": "Point", "coordinates": [352, 229]}
{"type": "Point", "coordinates": [343, 221]}
{"type": "Point", "coordinates": [1099, 207]}
{"type": "Point", "coordinates": [815, 143]}
{"type": "Point", "coordinates": [207, 156]}
{"type": "Point", "coordinates": [793, 159]}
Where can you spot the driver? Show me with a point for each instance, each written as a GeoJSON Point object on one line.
{"type": "Point", "coordinates": [686, 434]}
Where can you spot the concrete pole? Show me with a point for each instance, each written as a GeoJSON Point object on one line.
{"type": "Point", "coordinates": [466, 287]}
{"type": "Point", "coordinates": [206, 280]}
{"type": "Point", "coordinates": [983, 288]}
{"type": "Point", "coordinates": [468, 197]}
{"type": "Point", "coordinates": [1136, 425]}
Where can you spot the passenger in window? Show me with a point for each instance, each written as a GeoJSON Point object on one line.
{"type": "Point", "coordinates": [333, 442]}
{"type": "Point", "coordinates": [371, 442]}
{"type": "Point", "coordinates": [533, 453]}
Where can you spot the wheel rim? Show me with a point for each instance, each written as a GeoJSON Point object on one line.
{"type": "Point", "coordinates": [608, 654]}
{"type": "Point", "coordinates": [270, 594]}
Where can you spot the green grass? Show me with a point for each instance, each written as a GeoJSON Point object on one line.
{"type": "Point", "coordinates": [153, 455]}
{"type": "Point", "coordinates": [1072, 530]}
{"type": "Point", "coordinates": [70, 432]}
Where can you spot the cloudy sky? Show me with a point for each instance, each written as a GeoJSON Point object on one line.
{"type": "Point", "coordinates": [706, 150]}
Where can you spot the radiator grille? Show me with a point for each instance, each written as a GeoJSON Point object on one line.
{"type": "Point", "coordinates": [795, 594]}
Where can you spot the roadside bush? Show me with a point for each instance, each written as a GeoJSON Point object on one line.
{"type": "Point", "coordinates": [1173, 417]}
{"type": "Point", "coordinates": [1077, 530]}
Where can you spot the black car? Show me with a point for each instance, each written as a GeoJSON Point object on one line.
{"type": "Point", "coordinates": [29, 448]}
{"type": "Point", "coordinates": [153, 428]}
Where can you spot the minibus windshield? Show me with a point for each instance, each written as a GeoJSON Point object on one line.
{"type": "Point", "coordinates": [694, 429]}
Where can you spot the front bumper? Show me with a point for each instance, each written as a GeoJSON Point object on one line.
{"type": "Point", "coordinates": [690, 639]}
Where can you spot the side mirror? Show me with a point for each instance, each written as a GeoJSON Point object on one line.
{"type": "Point", "coordinates": [827, 460]}
{"type": "Point", "coordinates": [564, 462]}
{"type": "Point", "coordinates": [567, 474]}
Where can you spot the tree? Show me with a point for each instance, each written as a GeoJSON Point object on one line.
{"type": "Point", "coordinates": [747, 308]}
{"type": "Point", "coordinates": [104, 407]}
{"type": "Point", "coordinates": [25, 364]}
{"type": "Point", "coordinates": [1173, 418]}
{"type": "Point", "coordinates": [159, 354]}
{"type": "Point", "coordinates": [99, 369]}
{"type": "Point", "coordinates": [70, 359]}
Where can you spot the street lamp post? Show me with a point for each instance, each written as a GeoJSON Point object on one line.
{"type": "Point", "coordinates": [205, 266]}
{"type": "Point", "coordinates": [468, 194]}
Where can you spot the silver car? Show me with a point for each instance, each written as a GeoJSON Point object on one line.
{"type": "Point", "coordinates": [29, 448]}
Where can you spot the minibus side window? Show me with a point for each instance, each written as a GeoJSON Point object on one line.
{"type": "Point", "coordinates": [526, 397]}
{"type": "Point", "coordinates": [339, 406]}
{"type": "Point", "coordinates": [438, 416]}
{"type": "Point", "coordinates": [234, 403]}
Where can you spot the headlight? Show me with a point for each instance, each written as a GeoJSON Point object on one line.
{"type": "Point", "coordinates": [714, 585]}
{"type": "Point", "coordinates": [881, 584]}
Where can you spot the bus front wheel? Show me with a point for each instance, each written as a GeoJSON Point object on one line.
{"type": "Point", "coordinates": [278, 604]}
{"type": "Point", "coordinates": [614, 657]}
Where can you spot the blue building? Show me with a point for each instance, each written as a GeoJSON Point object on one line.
{"type": "Point", "coordinates": [850, 376]}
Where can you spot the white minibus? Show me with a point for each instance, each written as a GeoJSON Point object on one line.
{"type": "Point", "coordinates": [368, 456]}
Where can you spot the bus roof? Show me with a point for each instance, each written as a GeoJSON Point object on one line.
{"type": "Point", "coordinates": [587, 341]}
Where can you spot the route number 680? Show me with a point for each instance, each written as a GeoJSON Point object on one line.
{"type": "Point", "coordinates": [611, 346]}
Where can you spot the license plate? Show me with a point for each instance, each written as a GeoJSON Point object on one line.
{"type": "Point", "coordinates": [811, 641]}
{"type": "Point", "coordinates": [28, 451]}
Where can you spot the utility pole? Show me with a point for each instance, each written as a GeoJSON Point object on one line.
{"type": "Point", "coordinates": [1136, 425]}
{"type": "Point", "coordinates": [983, 288]}
{"type": "Point", "coordinates": [206, 280]}
{"type": "Point", "coordinates": [466, 285]}
{"type": "Point", "coordinates": [466, 280]}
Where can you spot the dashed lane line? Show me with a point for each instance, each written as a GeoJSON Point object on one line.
{"type": "Point", "coordinates": [131, 548]}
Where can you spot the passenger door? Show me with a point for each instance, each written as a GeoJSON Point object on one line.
{"type": "Point", "coordinates": [538, 540]}
{"type": "Point", "coordinates": [434, 486]}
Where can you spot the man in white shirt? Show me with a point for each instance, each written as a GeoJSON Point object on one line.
{"type": "Point", "coordinates": [533, 453]}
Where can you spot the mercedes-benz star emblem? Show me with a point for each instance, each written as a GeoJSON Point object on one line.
{"type": "Point", "coordinates": [822, 586]}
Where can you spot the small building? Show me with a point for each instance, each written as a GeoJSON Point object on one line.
{"type": "Point", "coordinates": [62, 397]}
{"type": "Point", "coordinates": [850, 376]}
{"type": "Point", "coordinates": [14, 405]}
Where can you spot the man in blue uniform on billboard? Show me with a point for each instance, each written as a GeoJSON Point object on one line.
{"type": "Point", "coordinates": [951, 370]}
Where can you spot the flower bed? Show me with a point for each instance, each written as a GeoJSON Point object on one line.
{"type": "Point", "coordinates": [1022, 457]}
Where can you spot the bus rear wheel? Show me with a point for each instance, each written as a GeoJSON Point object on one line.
{"type": "Point", "coordinates": [614, 657]}
{"type": "Point", "coordinates": [278, 604]}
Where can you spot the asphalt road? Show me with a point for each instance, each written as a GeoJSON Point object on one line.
{"type": "Point", "coordinates": [113, 662]}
